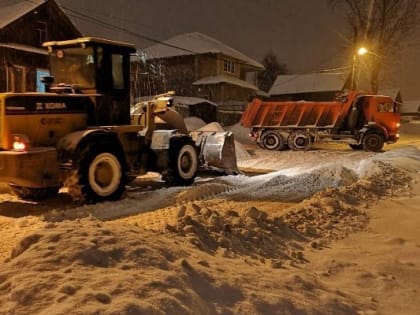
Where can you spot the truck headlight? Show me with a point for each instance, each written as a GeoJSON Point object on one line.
{"type": "Point", "coordinates": [398, 125]}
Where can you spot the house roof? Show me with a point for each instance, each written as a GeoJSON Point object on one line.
{"type": "Point", "coordinates": [11, 10]}
{"type": "Point", "coordinates": [22, 47]}
{"type": "Point", "coordinates": [410, 107]}
{"type": "Point", "coordinates": [196, 43]}
{"type": "Point", "coordinates": [191, 101]}
{"type": "Point", "coordinates": [306, 83]}
{"type": "Point", "coordinates": [225, 79]}
{"type": "Point", "coordinates": [395, 93]}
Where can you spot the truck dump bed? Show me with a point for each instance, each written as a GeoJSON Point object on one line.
{"type": "Point", "coordinates": [300, 114]}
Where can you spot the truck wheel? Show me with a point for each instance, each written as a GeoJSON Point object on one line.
{"type": "Point", "coordinates": [272, 140]}
{"type": "Point", "coordinates": [34, 193]}
{"type": "Point", "coordinates": [101, 176]}
{"type": "Point", "coordinates": [299, 141]}
{"type": "Point", "coordinates": [373, 142]}
{"type": "Point", "coordinates": [183, 166]}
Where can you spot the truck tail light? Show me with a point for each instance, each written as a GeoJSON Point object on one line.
{"type": "Point", "coordinates": [20, 143]}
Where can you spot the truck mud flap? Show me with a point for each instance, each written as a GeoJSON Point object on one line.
{"type": "Point", "coordinates": [217, 151]}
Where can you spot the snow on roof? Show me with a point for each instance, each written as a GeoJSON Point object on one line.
{"type": "Point", "coordinates": [196, 43]}
{"type": "Point", "coordinates": [24, 48]}
{"type": "Point", "coordinates": [225, 79]}
{"type": "Point", "coordinates": [10, 11]}
{"type": "Point", "coordinates": [393, 92]}
{"type": "Point", "coordinates": [304, 83]}
{"type": "Point", "coordinates": [410, 107]}
{"type": "Point", "coordinates": [179, 100]}
{"type": "Point", "coordinates": [189, 101]}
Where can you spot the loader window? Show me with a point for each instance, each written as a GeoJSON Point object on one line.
{"type": "Point", "coordinates": [117, 72]}
{"type": "Point", "coordinates": [74, 66]}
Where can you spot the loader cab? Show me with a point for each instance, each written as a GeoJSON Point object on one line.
{"type": "Point", "coordinates": [98, 68]}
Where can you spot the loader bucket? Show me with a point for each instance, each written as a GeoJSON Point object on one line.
{"type": "Point", "coordinates": [217, 151]}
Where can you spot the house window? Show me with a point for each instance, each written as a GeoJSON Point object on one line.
{"type": "Point", "coordinates": [228, 66]}
{"type": "Point", "coordinates": [41, 28]}
{"type": "Point", "coordinates": [16, 79]}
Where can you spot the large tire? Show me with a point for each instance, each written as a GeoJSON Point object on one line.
{"type": "Point", "coordinates": [299, 140]}
{"type": "Point", "coordinates": [373, 142]}
{"type": "Point", "coordinates": [101, 175]}
{"type": "Point", "coordinates": [272, 140]}
{"type": "Point", "coordinates": [183, 165]}
{"type": "Point", "coordinates": [34, 193]}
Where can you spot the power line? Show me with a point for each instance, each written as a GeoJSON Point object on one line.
{"type": "Point", "coordinates": [97, 21]}
{"type": "Point", "coordinates": [91, 19]}
{"type": "Point", "coordinates": [123, 29]}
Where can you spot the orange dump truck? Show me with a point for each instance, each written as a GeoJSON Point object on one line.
{"type": "Point", "coordinates": [363, 121]}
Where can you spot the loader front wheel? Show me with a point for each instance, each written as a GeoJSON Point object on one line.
{"type": "Point", "coordinates": [183, 166]}
{"type": "Point", "coordinates": [101, 176]}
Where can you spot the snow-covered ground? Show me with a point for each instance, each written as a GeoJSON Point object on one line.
{"type": "Point", "coordinates": [246, 244]}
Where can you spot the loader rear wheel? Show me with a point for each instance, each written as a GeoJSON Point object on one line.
{"type": "Point", "coordinates": [299, 140]}
{"type": "Point", "coordinates": [101, 175]}
{"type": "Point", "coordinates": [34, 193]}
{"type": "Point", "coordinates": [183, 166]}
{"type": "Point", "coordinates": [373, 142]}
{"type": "Point", "coordinates": [272, 140]}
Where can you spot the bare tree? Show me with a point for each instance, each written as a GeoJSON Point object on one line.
{"type": "Point", "coordinates": [382, 26]}
{"type": "Point", "coordinates": [272, 69]}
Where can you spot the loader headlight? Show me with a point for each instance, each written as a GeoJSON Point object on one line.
{"type": "Point", "coordinates": [398, 125]}
{"type": "Point", "coordinates": [20, 142]}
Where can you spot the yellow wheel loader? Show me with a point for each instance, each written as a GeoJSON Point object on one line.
{"type": "Point", "coordinates": [81, 134]}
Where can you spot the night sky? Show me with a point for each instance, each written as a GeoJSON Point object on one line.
{"type": "Point", "coordinates": [304, 34]}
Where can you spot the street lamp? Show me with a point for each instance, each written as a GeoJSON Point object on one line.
{"type": "Point", "coordinates": [360, 52]}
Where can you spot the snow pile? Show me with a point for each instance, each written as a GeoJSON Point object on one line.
{"type": "Point", "coordinates": [206, 256]}
{"type": "Point", "coordinates": [240, 151]}
{"type": "Point", "coordinates": [241, 133]}
{"type": "Point", "coordinates": [194, 123]}
{"type": "Point", "coordinates": [90, 267]}
{"type": "Point", "coordinates": [277, 186]}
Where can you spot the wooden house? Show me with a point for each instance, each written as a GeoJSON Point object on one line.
{"type": "Point", "coordinates": [197, 65]}
{"type": "Point", "coordinates": [309, 87]}
{"type": "Point", "coordinates": [24, 26]}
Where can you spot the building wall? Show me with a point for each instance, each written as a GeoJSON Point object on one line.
{"type": "Point", "coordinates": [179, 73]}
{"type": "Point", "coordinates": [16, 62]}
